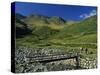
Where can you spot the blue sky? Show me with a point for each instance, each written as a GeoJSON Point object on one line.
{"type": "Point", "coordinates": [67, 12]}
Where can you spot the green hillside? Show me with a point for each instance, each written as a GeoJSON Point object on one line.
{"type": "Point", "coordinates": [21, 27]}
{"type": "Point", "coordinates": [81, 32]}
{"type": "Point", "coordinates": [36, 20]}
{"type": "Point", "coordinates": [41, 31]}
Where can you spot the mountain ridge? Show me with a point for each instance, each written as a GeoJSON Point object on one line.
{"type": "Point", "coordinates": [54, 31]}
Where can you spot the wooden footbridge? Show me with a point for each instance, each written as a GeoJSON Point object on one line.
{"type": "Point", "coordinates": [54, 57]}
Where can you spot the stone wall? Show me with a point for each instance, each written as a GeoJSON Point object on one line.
{"type": "Point", "coordinates": [88, 63]}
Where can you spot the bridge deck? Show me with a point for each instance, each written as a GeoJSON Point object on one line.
{"type": "Point", "coordinates": [51, 57]}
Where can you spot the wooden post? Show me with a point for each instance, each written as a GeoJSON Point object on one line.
{"type": "Point", "coordinates": [77, 61]}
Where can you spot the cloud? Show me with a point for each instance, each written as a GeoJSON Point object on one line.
{"type": "Point", "coordinates": [92, 13]}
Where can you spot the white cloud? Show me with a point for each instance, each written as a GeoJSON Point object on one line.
{"type": "Point", "coordinates": [92, 13]}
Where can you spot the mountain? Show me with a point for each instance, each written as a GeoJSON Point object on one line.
{"type": "Point", "coordinates": [19, 16]}
{"type": "Point", "coordinates": [39, 20]}
{"type": "Point", "coordinates": [38, 30]}
{"type": "Point", "coordinates": [56, 21]}
{"type": "Point", "coordinates": [84, 26]}
{"type": "Point", "coordinates": [84, 31]}
{"type": "Point", "coordinates": [21, 27]}
{"type": "Point", "coordinates": [36, 20]}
